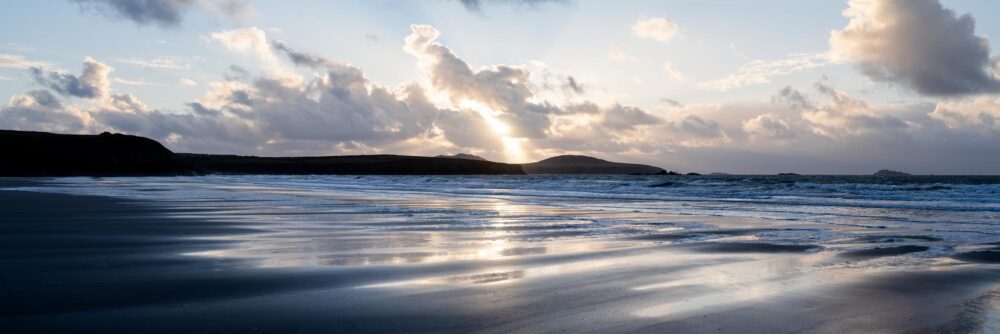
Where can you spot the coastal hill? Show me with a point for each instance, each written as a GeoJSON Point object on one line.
{"type": "Point", "coordinates": [462, 156]}
{"type": "Point", "coordinates": [351, 164]}
{"type": "Point", "coordinates": [580, 164]}
{"type": "Point", "coordinates": [24, 153]}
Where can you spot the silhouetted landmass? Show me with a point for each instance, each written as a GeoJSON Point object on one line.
{"type": "Point", "coordinates": [463, 156]}
{"type": "Point", "coordinates": [886, 172]}
{"type": "Point", "coordinates": [47, 154]}
{"type": "Point", "coordinates": [25, 153]}
{"type": "Point", "coordinates": [789, 174]}
{"type": "Point", "coordinates": [349, 165]}
{"type": "Point", "coordinates": [579, 164]}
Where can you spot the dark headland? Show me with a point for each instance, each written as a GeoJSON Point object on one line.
{"type": "Point", "coordinates": [579, 164]}
{"type": "Point", "coordinates": [46, 154]}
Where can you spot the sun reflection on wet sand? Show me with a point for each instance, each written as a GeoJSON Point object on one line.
{"type": "Point", "coordinates": [622, 265]}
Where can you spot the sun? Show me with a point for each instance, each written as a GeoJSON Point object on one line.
{"type": "Point", "coordinates": [513, 150]}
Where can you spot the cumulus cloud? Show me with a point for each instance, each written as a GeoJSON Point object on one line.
{"type": "Point", "coordinates": [40, 110]}
{"type": "Point", "coordinates": [977, 114]}
{"type": "Point", "coordinates": [93, 82]}
{"type": "Point", "coordinates": [768, 125]}
{"type": "Point", "coordinates": [918, 44]}
{"type": "Point", "coordinates": [842, 117]}
{"type": "Point", "coordinates": [164, 13]}
{"type": "Point", "coordinates": [253, 41]}
{"type": "Point", "coordinates": [504, 89]}
{"type": "Point", "coordinates": [620, 117]}
{"type": "Point", "coordinates": [659, 29]}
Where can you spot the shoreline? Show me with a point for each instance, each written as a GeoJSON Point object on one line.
{"type": "Point", "coordinates": [96, 264]}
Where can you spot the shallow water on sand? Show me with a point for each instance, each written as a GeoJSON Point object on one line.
{"type": "Point", "coordinates": [501, 254]}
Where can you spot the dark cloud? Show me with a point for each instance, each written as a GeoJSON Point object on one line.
{"type": "Point", "coordinates": [621, 117]}
{"type": "Point", "coordinates": [672, 102]}
{"type": "Point", "coordinates": [91, 83]}
{"type": "Point", "coordinates": [700, 127]}
{"type": "Point", "coordinates": [160, 12]}
{"type": "Point", "coordinates": [573, 86]}
{"type": "Point", "coordinates": [164, 13]}
{"type": "Point", "coordinates": [477, 5]}
{"type": "Point", "coordinates": [304, 59]}
{"type": "Point", "coordinates": [918, 44]}
{"type": "Point", "coordinates": [792, 98]}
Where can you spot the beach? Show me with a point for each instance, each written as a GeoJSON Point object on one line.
{"type": "Point", "coordinates": [312, 254]}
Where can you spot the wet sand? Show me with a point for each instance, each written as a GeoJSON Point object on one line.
{"type": "Point", "coordinates": [71, 263]}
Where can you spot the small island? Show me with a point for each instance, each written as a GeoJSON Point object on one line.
{"type": "Point", "coordinates": [887, 172]}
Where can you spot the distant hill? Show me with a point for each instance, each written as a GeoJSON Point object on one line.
{"type": "Point", "coordinates": [886, 172]}
{"type": "Point", "coordinates": [351, 165]}
{"type": "Point", "coordinates": [462, 156]}
{"type": "Point", "coordinates": [24, 153]}
{"type": "Point", "coordinates": [580, 164]}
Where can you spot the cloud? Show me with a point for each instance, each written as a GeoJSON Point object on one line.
{"type": "Point", "coordinates": [253, 41]}
{"type": "Point", "coordinates": [768, 125]}
{"type": "Point", "coordinates": [617, 55]}
{"type": "Point", "coordinates": [761, 71]}
{"type": "Point", "coordinates": [132, 82]}
{"type": "Point", "coordinates": [844, 116]}
{"type": "Point", "coordinates": [164, 13]}
{"type": "Point", "coordinates": [188, 82]}
{"type": "Point", "coordinates": [918, 44]}
{"type": "Point", "coordinates": [673, 72]}
{"type": "Point", "coordinates": [169, 63]}
{"type": "Point", "coordinates": [304, 59]}
{"type": "Point", "coordinates": [620, 117]}
{"type": "Point", "coordinates": [15, 61]}
{"type": "Point", "coordinates": [659, 29]}
{"type": "Point", "coordinates": [40, 110]}
{"type": "Point", "coordinates": [980, 114]}
{"type": "Point", "coordinates": [503, 89]}
{"type": "Point", "coordinates": [672, 102]}
{"type": "Point", "coordinates": [457, 107]}
{"type": "Point", "coordinates": [573, 86]}
{"type": "Point", "coordinates": [93, 82]}
{"type": "Point", "coordinates": [792, 98]}
{"type": "Point", "coordinates": [477, 5]}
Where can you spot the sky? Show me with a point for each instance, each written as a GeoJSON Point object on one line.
{"type": "Point", "coordinates": [766, 86]}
